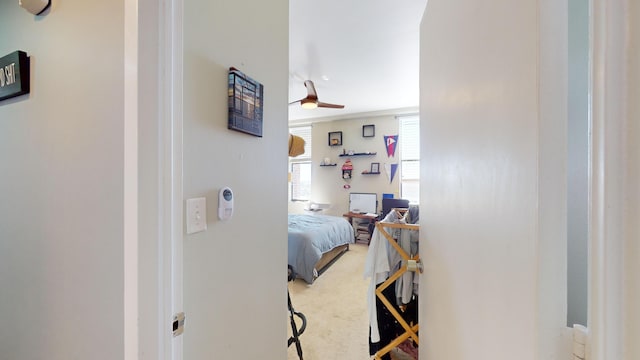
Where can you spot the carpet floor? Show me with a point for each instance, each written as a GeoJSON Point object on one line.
{"type": "Point", "coordinates": [335, 306]}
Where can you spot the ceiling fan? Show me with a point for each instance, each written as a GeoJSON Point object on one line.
{"type": "Point", "coordinates": [311, 101]}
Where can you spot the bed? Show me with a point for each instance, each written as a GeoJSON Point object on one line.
{"type": "Point", "coordinates": [315, 242]}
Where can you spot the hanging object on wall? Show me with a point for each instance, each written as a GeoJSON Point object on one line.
{"type": "Point", "coordinates": [391, 141]}
{"type": "Point", "coordinates": [391, 170]}
{"type": "Point", "coordinates": [347, 168]}
{"type": "Point", "coordinates": [296, 145]}
{"type": "Point", "coordinates": [36, 7]}
{"type": "Point", "coordinates": [246, 98]}
{"type": "Point", "coordinates": [14, 75]}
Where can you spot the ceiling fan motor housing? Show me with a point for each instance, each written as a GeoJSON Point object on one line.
{"type": "Point", "coordinates": [309, 103]}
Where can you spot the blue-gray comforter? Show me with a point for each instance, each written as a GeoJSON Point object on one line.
{"type": "Point", "coordinates": [310, 236]}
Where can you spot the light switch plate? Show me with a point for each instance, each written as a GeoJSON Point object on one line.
{"type": "Point", "coordinates": [196, 215]}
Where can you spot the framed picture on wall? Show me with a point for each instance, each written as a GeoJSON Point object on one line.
{"type": "Point", "coordinates": [335, 138]}
{"type": "Point", "coordinates": [375, 167]}
{"type": "Point", "coordinates": [246, 98]}
{"type": "Point", "coordinates": [368, 130]}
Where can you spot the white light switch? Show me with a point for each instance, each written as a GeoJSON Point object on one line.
{"type": "Point", "coordinates": [196, 215]}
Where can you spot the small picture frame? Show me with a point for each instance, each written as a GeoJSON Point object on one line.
{"type": "Point", "coordinates": [368, 130]}
{"type": "Point", "coordinates": [375, 167]}
{"type": "Point", "coordinates": [335, 138]}
{"type": "Point", "coordinates": [246, 103]}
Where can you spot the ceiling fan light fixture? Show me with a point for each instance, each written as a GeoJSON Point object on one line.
{"type": "Point", "coordinates": [309, 104]}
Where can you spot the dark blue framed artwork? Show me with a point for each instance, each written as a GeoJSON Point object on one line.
{"type": "Point", "coordinates": [246, 100]}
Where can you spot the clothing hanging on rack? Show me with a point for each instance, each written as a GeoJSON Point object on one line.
{"type": "Point", "coordinates": [394, 245]}
{"type": "Point", "coordinates": [377, 268]}
{"type": "Point", "coordinates": [388, 326]}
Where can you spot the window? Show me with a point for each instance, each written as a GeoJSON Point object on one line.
{"type": "Point", "coordinates": [409, 139]}
{"type": "Point", "coordinates": [300, 167]}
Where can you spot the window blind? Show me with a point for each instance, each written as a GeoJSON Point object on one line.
{"type": "Point", "coordinates": [409, 139]}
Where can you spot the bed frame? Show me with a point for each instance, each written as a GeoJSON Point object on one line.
{"type": "Point", "coordinates": [330, 257]}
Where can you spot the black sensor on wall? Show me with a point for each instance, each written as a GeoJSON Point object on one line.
{"type": "Point", "coordinates": [246, 99]}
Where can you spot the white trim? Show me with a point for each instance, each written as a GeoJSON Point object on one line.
{"type": "Point", "coordinates": [606, 184]}
{"type": "Point", "coordinates": [130, 201]}
{"type": "Point", "coordinates": [171, 83]}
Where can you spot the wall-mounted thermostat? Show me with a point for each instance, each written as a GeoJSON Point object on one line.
{"type": "Point", "coordinates": [225, 204]}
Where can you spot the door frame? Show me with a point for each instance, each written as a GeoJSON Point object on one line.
{"type": "Point", "coordinates": [608, 86]}
{"type": "Point", "coordinates": [156, 29]}
{"type": "Point", "coordinates": [171, 85]}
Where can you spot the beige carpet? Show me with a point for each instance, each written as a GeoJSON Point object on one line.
{"type": "Point", "coordinates": [335, 306]}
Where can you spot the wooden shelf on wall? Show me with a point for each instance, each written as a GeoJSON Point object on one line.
{"type": "Point", "coordinates": [358, 154]}
{"type": "Point", "coordinates": [370, 173]}
{"type": "Point", "coordinates": [328, 164]}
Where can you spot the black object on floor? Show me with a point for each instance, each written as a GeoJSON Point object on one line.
{"type": "Point", "coordinates": [295, 338]}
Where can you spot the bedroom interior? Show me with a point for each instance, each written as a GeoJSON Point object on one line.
{"type": "Point", "coordinates": [344, 152]}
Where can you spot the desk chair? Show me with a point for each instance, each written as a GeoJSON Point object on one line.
{"type": "Point", "coordinates": [387, 205]}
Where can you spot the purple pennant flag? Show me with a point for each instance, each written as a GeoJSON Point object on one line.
{"type": "Point", "coordinates": [391, 170]}
{"type": "Point", "coordinates": [394, 169]}
{"type": "Point", "coordinates": [391, 141]}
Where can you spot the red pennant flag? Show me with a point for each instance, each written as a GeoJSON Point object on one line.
{"type": "Point", "coordinates": [391, 141]}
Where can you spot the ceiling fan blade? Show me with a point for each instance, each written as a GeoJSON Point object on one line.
{"type": "Point", "coordinates": [311, 101]}
{"type": "Point", "coordinates": [311, 90]}
{"type": "Point", "coordinates": [333, 106]}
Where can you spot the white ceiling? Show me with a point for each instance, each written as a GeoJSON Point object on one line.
{"type": "Point", "coordinates": [367, 49]}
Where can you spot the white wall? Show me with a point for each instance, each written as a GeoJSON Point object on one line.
{"type": "Point", "coordinates": [493, 121]}
{"type": "Point", "coordinates": [327, 185]}
{"type": "Point", "coordinates": [155, 314]}
{"type": "Point", "coordinates": [577, 163]}
{"type": "Point", "coordinates": [235, 271]}
{"type": "Point", "coordinates": [64, 204]}
{"type": "Point", "coordinates": [61, 204]}
{"type": "Point", "coordinates": [632, 245]}
{"type": "Point", "coordinates": [553, 338]}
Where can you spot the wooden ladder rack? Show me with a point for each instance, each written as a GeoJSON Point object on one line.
{"type": "Point", "coordinates": [411, 331]}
